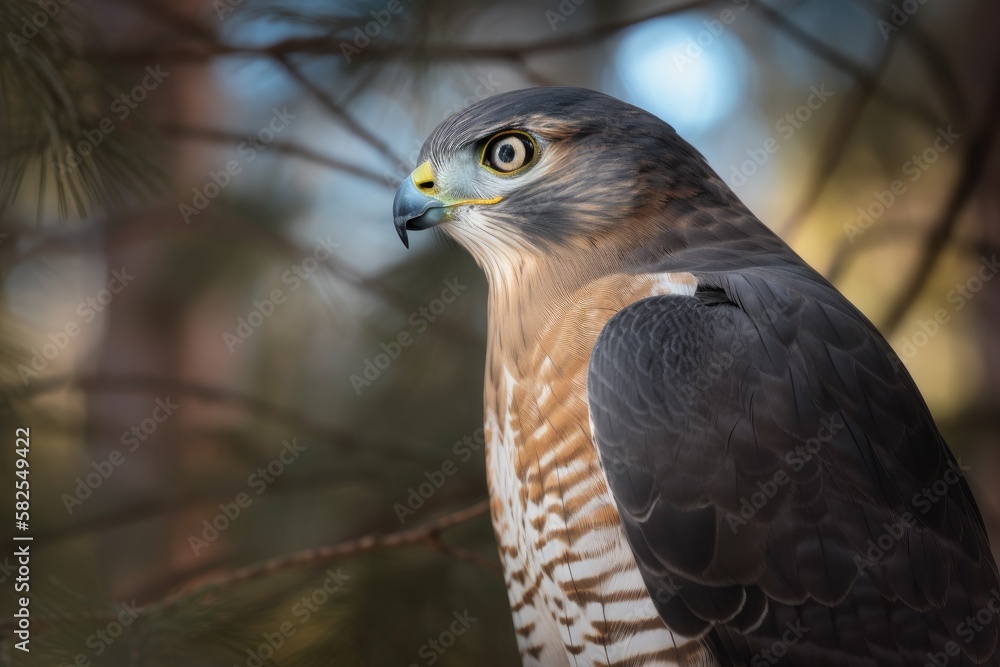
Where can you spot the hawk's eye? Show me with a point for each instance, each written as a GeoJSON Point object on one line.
{"type": "Point", "coordinates": [508, 152]}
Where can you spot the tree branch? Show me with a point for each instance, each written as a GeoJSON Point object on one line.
{"type": "Point", "coordinates": [905, 105]}
{"type": "Point", "coordinates": [423, 535]}
{"type": "Point", "coordinates": [251, 404]}
{"type": "Point", "coordinates": [327, 45]}
{"type": "Point", "coordinates": [234, 138]}
{"type": "Point", "coordinates": [338, 111]}
{"type": "Point", "coordinates": [977, 158]}
{"type": "Point", "coordinates": [140, 510]}
{"type": "Point", "coordinates": [835, 146]}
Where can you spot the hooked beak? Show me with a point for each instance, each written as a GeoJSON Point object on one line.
{"type": "Point", "coordinates": [417, 205]}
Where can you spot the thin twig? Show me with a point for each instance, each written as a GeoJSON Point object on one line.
{"type": "Point", "coordinates": [934, 58]}
{"type": "Point", "coordinates": [976, 161]}
{"type": "Point", "coordinates": [437, 544]}
{"type": "Point", "coordinates": [421, 535]}
{"type": "Point", "coordinates": [404, 51]}
{"type": "Point", "coordinates": [330, 45]}
{"type": "Point", "coordinates": [266, 239]}
{"type": "Point", "coordinates": [331, 105]}
{"type": "Point", "coordinates": [530, 74]}
{"type": "Point", "coordinates": [891, 232]}
{"type": "Point", "coordinates": [254, 405]}
{"type": "Point", "coordinates": [141, 510]}
{"type": "Point", "coordinates": [835, 146]}
{"type": "Point", "coordinates": [163, 13]}
{"type": "Point", "coordinates": [905, 105]}
{"type": "Point", "coordinates": [278, 145]}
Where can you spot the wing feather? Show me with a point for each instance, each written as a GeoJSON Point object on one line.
{"type": "Point", "coordinates": [778, 464]}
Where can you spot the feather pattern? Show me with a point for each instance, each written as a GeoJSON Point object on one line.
{"type": "Point", "coordinates": [575, 591]}
{"type": "Point", "coordinates": [797, 487]}
{"type": "Point", "coordinates": [699, 452]}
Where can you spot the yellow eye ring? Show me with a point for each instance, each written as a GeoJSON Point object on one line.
{"type": "Point", "coordinates": [508, 153]}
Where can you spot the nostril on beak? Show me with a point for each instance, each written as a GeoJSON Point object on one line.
{"type": "Point", "coordinates": [426, 185]}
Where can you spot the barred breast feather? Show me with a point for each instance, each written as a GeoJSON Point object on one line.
{"type": "Point", "coordinates": [576, 594]}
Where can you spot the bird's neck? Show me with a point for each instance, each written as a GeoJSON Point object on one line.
{"type": "Point", "coordinates": [530, 287]}
{"type": "Point", "coordinates": [522, 298]}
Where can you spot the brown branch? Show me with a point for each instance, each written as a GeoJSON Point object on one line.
{"type": "Point", "coordinates": [407, 51]}
{"type": "Point", "coordinates": [891, 231]}
{"type": "Point", "coordinates": [888, 231]}
{"type": "Point", "coordinates": [422, 535]}
{"type": "Point", "coordinates": [586, 38]}
{"type": "Point", "coordinates": [330, 45]}
{"type": "Point", "coordinates": [162, 13]}
{"type": "Point", "coordinates": [251, 404]}
{"type": "Point", "coordinates": [977, 159]}
{"type": "Point", "coordinates": [142, 510]}
{"type": "Point", "coordinates": [941, 70]}
{"type": "Point", "coordinates": [905, 105]}
{"type": "Point", "coordinates": [333, 107]}
{"type": "Point", "coordinates": [437, 544]}
{"type": "Point", "coordinates": [289, 148]}
{"type": "Point", "coordinates": [267, 240]}
{"type": "Point", "coordinates": [936, 61]}
{"type": "Point", "coordinates": [171, 580]}
{"type": "Point", "coordinates": [531, 75]}
{"type": "Point", "coordinates": [835, 146]}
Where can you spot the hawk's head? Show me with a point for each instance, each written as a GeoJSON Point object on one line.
{"type": "Point", "coordinates": [567, 172]}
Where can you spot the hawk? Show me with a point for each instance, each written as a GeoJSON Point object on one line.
{"type": "Point", "coordinates": [699, 452]}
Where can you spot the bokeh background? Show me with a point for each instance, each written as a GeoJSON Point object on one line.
{"type": "Point", "coordinates": [232, 462]}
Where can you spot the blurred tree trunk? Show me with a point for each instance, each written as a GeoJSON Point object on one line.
{"type": "Point", "coordinates": [143, 335]}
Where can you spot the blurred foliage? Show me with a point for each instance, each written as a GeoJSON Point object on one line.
{"type": "Point", "coordinates": [65, 121]}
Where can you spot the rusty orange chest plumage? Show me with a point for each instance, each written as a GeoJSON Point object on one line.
{"type": "Point", "coordinates": [575, 592]}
